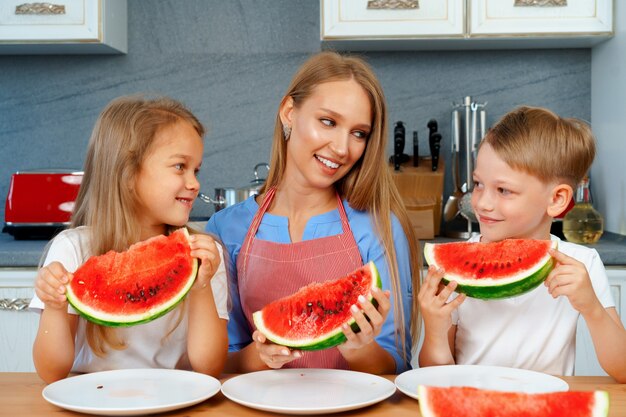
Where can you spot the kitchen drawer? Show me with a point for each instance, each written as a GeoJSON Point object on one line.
{"type": "Point", "coordinates": [18, 325]}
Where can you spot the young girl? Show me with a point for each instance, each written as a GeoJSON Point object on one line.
{"type": "Point", "coordinates": [139, 182]}
{"type": "Point", "coordinates": [328, 206]}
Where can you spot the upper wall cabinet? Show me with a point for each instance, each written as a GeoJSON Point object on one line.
{"type": "Point", "coordinates": [460, 24]}
{"type": "Point", "coordinates": [63, 27]}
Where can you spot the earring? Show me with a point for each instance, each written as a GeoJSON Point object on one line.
{"type": "Point", "coordinates": [286, 131]}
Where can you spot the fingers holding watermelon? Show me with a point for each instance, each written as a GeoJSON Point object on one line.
{"type": "Point", "coordinates": [369, 318]}
{"type": "Point", "coordinates": [571, 279]}
{"type": "Point", "coordinates": [433, 298]}
{"type": "Point", "coordinates": [205, 249]}
{"type": "Point", "coordinates": [50, 285]}
{"type": "Point", "coordinates": [274, 356]}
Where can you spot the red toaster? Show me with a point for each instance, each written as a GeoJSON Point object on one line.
{"type": "Point", "coordinates": [41, 198]}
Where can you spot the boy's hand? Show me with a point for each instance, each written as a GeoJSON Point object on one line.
{"type": "Point", "coordinates": [205, 249]}
{"type": "Point", "coordinates": [434, 305]}
{"type": "Point", "coordinates": [571, 279]}
{"type": "Point", "coordinates": [50, 285]}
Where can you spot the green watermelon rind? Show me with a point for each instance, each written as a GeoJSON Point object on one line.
{"type": "Point", "coordinates": [491, 289]}
{"type": "Point", "coordinates": [600, 406]}
{"type": "Point", "coordinates": [328, 340]}
{"type": "Point", "coordinates": [126, 320]}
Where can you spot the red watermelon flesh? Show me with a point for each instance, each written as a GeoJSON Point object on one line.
{"type": "Point", "coordinates": [491, 260]}
{"type": "Point", "coordinates": [493, 270]}
{"type": "Point", "coordinates": [311, 318]}
{"type": "Point", "coordinates": [137, 285]}
{"type": "Point", "coordinates": [474, 402]}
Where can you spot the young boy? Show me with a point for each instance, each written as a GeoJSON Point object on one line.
{"type": "Point", "coordinates": [527, 167]}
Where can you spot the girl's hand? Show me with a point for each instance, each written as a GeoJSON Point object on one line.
{"type": "Point", "coordinates": [50, 285]}
{"type": "Point", "coordinates": [434, 305]}
{"type": "Point", "coordinates": [368, 329]}
{"type": "Point", "coordinates": [274, 356]}
{"type": "Point", "coordinates": [205, 249]}
{"type": "Point", "coordinates": [571, 279]}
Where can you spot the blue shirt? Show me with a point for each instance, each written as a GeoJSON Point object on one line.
{"type": "Point", "coordinates": [231, 224]}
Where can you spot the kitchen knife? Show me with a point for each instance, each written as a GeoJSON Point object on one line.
{"type": "Point", "coordinates": [398, 144]}
{"type": "Point", "coordinates": [432, 129]}
{"type": "Point", "coordinates": [435, 145]}
{"type": "Point", "coordinates": [415, 149]}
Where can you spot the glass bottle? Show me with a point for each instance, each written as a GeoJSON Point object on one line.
{"type": "Point", "coordinates": [583, 223]}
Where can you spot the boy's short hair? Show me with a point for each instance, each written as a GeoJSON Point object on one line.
{"type": "Point", "coordinates": [539, 142]}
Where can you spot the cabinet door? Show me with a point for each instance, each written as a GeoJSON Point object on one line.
{"type": "Point", "coordinates": [18, 325]}
{"type": "Point", "coordinates": [586, 359]}
{"type": "Point", "coordinates": [540, 17]}
{"type": "Point", "coordinates": [67, 26]}
{"type": "Point", "coordinates": [363, 19]}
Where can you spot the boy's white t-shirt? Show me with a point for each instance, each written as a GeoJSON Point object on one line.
{"type": "Point", "coordinates": [149, 345]}
{"type": "Point", "coordinates": [531, 331]}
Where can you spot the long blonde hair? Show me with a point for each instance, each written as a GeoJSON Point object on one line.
{"type": "Point", "coordinates": [121, 139]}
{"type": "Point", "coordinates": [369, 185]}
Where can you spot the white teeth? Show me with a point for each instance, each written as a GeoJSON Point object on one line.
{"type": "Point", "coordinates": [326, 162]}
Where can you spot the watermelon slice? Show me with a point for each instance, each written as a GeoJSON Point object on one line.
{"type": "Point", "coordinates": [311, 318]}
{"type": "Point", "coordinates": [474, 402]}
{"type": "Point", "coordinates": [493, 270]}
{"type": "Point", "coordinates": [137, 285]}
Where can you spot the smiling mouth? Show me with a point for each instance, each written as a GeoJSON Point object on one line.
{"type": "Point", "coordinates": [185, 200]}
{"type": "Point", "coordinates": [326, 162]}
{"type": "Point", "coordinates": [485, 219]}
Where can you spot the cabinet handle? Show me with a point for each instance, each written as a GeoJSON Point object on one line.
{"type": "Point", "coordinates": [14, 304]}
{"type": "Point", "coordinates": [40, 8]}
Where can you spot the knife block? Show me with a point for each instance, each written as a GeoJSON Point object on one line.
{"type": "Point", "coordinates": [421, 189]}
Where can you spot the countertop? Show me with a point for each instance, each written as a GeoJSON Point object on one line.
{"type": "Point", "coordinates": [26, 253]}
{"type": "Point", "coordinates": [20, 394]}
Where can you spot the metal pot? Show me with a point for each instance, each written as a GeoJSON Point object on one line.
{"type": "Point", "coordinates": [228, 196]}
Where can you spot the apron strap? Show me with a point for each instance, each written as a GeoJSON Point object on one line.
{"type": "Point", "coordinates": [258, 217]}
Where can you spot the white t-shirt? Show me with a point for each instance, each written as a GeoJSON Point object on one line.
{"type": "Point", "coordinates": [531, 331]}
{"type": "Point", "coordinates": [149, 345]}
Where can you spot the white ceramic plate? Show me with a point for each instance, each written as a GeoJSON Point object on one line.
{"type": "Point", "coordinates": [307, 391]}
{"type": "Point", "coordinates": [486, 377]}
{"type": "Point", "coordinates": [131, 391]}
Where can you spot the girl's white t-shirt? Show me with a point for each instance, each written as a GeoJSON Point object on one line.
{"type": "Point", "coordinates": [531, 331]}
{"type": "Point", "coordinates": [157, 344]}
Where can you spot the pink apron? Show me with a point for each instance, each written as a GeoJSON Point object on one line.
{"type": "Point", "coordinates": [268, 270]}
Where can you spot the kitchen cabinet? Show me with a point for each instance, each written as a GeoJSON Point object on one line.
{"type": "Point", "coordinates": [18, 325]}
{"type": "Point", "coordinates": [63, 27]}
{"type": "Point", "coordinates": [352, 19]}
{"type": "Point", "coordinates": [586, 360]}
{"type": "Point", "coordinates": [464, 24]}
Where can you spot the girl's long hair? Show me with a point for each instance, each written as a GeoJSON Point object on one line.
{"type": "Point", "coordinates": [369, 185]}
{"type": "Point", "coordinates": [106, 201]}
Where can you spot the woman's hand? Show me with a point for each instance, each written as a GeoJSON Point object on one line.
{"type": "Point", "coordinates": [205, 249]}
{"type": "Point", "coordinates": [274, 356]}
{"type": "Point", "coordinates": [368, 329]}
{"type": "Point", "coordinates": [434, 305]}
{"type": "Point", "coordinates": [571, 279]}
{"type": "Point", "coordinates": [50, 285]}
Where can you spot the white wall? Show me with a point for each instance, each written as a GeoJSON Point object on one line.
{"type": "Point", "coordinates": [608, 118]}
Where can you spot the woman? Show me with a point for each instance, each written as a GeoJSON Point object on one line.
{"type": "Point", "coordinates": [328, 206]}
